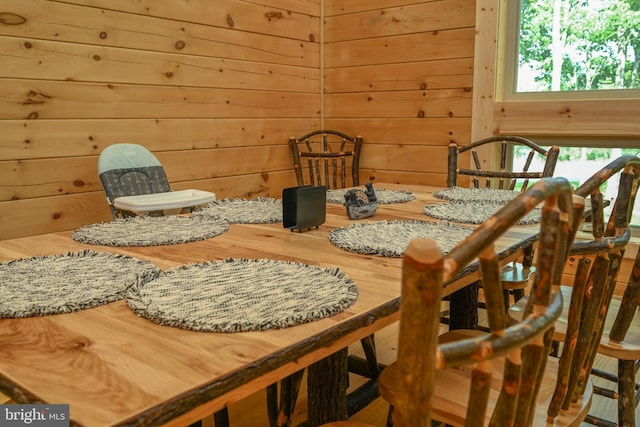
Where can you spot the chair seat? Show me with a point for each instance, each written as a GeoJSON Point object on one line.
{"type": "Point", "coordinates": [629, 349]}
{"type": "Point", "coordinates": [516, 276]}
{"type": "Point", "coordinates": [452, 387]}
{"type": "Point", "coordinates": [162, 201]}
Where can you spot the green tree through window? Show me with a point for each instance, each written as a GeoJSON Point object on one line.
{"type": "Point", "coordinates": [570, 45]}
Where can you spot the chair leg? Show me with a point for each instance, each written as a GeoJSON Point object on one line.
{"type": "Point", "coordinates": [221, 418]}
{"type": "Point", "coordinates": [518, 294]}
{"type": "Point", "coordinates": [369, 347]}
{"type": "Point", "coordinates": [272, 403]}
{"type": "Point", "coordinates": [627, 393]}
{"type": "Point", "coordinates": [464, 308]}
{"type": "Point", "coordinates": [369, 366]}
{"type": "Point", "coordinates": [281, 413]}
{"type": "Point", "coordinates": [390, 416]}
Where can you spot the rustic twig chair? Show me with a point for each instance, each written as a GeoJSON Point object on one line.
{"type": "Point", "coordinates": [449, 378]}
{"type": "Point", "coordinates": [502, 177]}
{"type": "Point", "coordinates": [323, 157]}
{"type": "Point", "coordinates": [622, 342]}
{"type": "Point", "coordinates": [516, 276]}
{"type": "Point", "coordinates": [592, 294]}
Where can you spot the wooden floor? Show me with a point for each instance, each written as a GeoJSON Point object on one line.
{"type": "Point", "coordinates": [251, 412]}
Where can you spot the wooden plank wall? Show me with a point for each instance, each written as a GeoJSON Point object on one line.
{"type": "Point", "coordinates": [214, 89]}
{"type": "Point", "coordinates": [400, 73]}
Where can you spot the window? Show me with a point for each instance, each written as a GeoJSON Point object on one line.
{"type": "Point", "coordinates": [591, 160]}
{"type": "Point", "coordinates": [572, 49]}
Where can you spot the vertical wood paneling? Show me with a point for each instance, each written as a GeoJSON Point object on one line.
{"type": "Point", "coordinates": [400, 73]}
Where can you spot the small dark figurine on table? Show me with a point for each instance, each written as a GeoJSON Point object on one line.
{"type": "Point", "coordinates": [361, 204]}
{"type": "Point", "coordinates": [370, 192]}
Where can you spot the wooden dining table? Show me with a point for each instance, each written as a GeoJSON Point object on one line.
{"type": "Point", "coordinates": [115, 368]}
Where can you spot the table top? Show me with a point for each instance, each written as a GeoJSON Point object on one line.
{"type": "Point", "coordinates": [115, 368]}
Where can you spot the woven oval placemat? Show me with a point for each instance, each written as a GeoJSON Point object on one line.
{"type": "Point", "coordinates": [384, 196]}
{"type": "Point", "coordinates": [488, 195]}
{"type": "Point", "coordinates": [238, 295]}
{"type": "Point", "coordinates": [260, 210]}
{"type": "Point", "coordinates": [474, 212]}
{"type": "Point", "coordinates": [391, 238]}
{"type": "Point", "coordinates": [151, 230]}
{"type": "Point", "coordinates": [54, 284]}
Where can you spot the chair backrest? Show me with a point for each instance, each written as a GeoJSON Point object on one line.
{"type": "Point", "coordinates": [598, 264]}
{"type": "Point", "coordinates": [504, 177]}
{"type": "Point", "coordinates": [323, 157]}
{"type": "Point", "coordinates": [426, 271]}
{"type": "Point", "coordinates": [130, 170]}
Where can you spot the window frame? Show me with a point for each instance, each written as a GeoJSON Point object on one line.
{"type": "Point", "coordinates": [608, 119]}
{"type": "Point", "coordinates": [596, 118]}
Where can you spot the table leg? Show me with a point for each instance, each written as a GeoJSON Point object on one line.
{"type": "Point", "coordinates": [327, 389]}
{"type": "Point", "coordinates": [463, 308]}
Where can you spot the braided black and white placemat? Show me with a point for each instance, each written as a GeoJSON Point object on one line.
{"type": "Point", "coordinates": [391, 238]}
{"type": "Point", "coordinates": [487, 195]}
{"type": "Point", "coordinates": [151, 231]}
{"type": "Point", "coordinates": [238, 295]}
{"type": "Point", "coordinates": [260, 210]}
{"type": "Point", "coordinates": [474, 212]}
{"type": "Point", "coordinates": [54, 284]}
{"type": "Point", "coordinates": [383, 195]}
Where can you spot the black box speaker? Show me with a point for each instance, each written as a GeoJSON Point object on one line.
{"type": "Point", "coordinates": [304, 207]}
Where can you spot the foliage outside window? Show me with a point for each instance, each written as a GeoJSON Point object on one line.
{"type": "Point", "coordinates": [590, 160]}
{"type": "Point", "coordinates": [576, 45]}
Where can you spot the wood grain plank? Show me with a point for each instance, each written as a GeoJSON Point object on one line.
{"type": "Point", "coordinates": [590, 118]}
{"type": "Point", "coordinates": [448, 44]}
{"type": "Point", "coordinates": [421, 131]}
{"type": "Point", "coordinates": [406, 178]}
{"type": "Point", "coordinates": [36, 139]}
{"type": "Point", "coordinates": [402, 104]}
{"type": "Point", "coordinates": [407, 19]}
{"type": "Point", "coordinates": [440, 74]}
{"type": "Point", "coordinates": [45, 60]}
{"type": "Point", "coordinates": [485, 60]}
{"type": "Point", "coordinates": [276, 17]}
{"type": "Point", "coordinates": [64, 22]}
{"type": "Point", "coordinates": [405, 158]}
{"type": "Point", "coordinates": [32, 99]}
{"type": "Point", "coordinates": [339, 7]}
